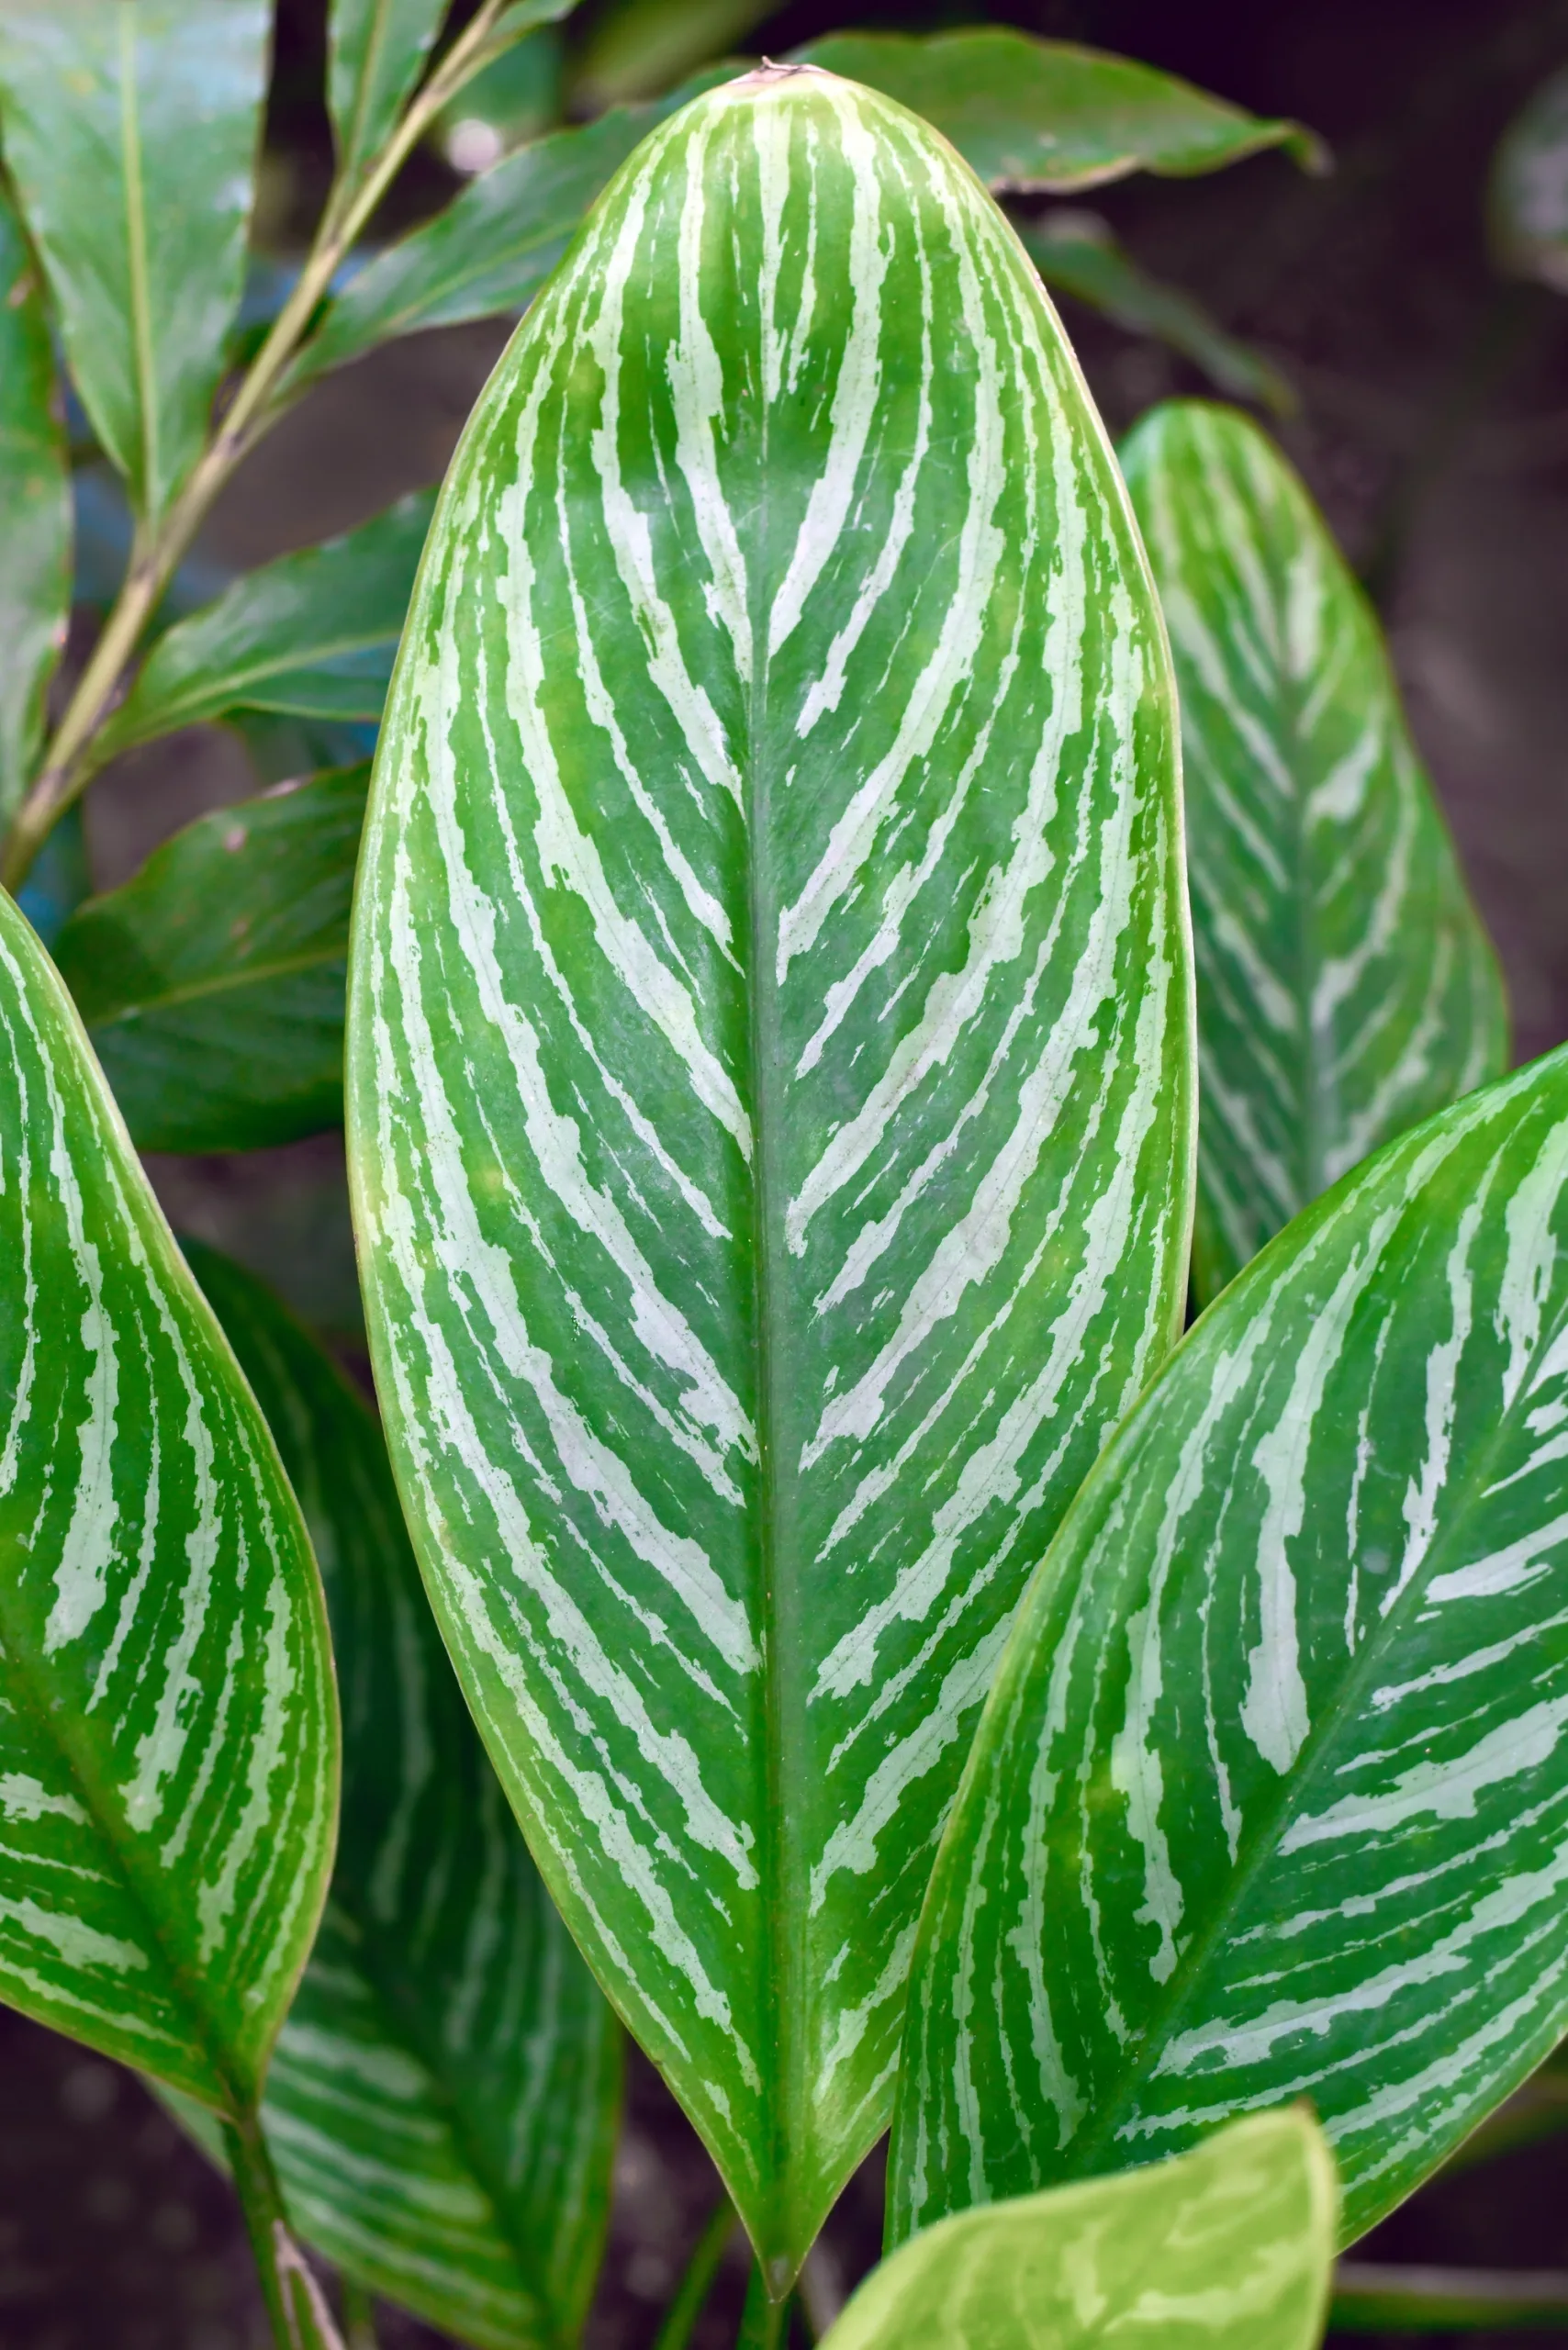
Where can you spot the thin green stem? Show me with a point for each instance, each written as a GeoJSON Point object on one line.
{"type": "Point", "coordinates": [359, 2318]}
{"type": "Point", "coordinates": [297, 2312]}
{"type": "Point", "coordinates": [697, 2280]}
{"type": "Point", "coordinates": [763, 2319]}
{"type": "Point", "coordinates": [259, 401]}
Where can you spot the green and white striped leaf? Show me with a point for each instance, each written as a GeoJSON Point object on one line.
{"type": "Point", "coordinates": [35, 514]}
{"type": "Point", "coordinates": [769, 1081]}
{"type": "Point", "coordinates": [312, 636]}
{"type": "Point", "coordinates": [212, 982]}
{"type": "Point", "coordinates": [1227, 2248]}
{"type": "Point", "coordinates": [375, 51]}
{"type": "Point", "coordinates": [1346, 986]}
{"type": "Point", "coordinates": [131, 130]}
{"type": "Point", "coordinates": [1529, 194]}
{"type": "Point", "coordinates": [1031, 115]}
{"type": "Point", "coordinates": [168, 1727]}
{"type": "Point", "coordinates": [1271, 1797]}
{"type": "Point", "coordinates": [443, 2102]}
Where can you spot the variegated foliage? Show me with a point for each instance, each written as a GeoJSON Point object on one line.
{"type": "Point", "coordinates": [442, 2101]}
{"type": "Point", "coordinates": [1346, 987]}
{"type": "Point", "coordinates": [1271, 1797]}
{"type": "Point", "coordinates": [769, 1085]}
{"type": "Point", "coordinates": [168, 1729]}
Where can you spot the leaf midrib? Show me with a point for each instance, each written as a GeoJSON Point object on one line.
{"type": "Point", "coordinates": [143, 356]}
{"type": "Point", "coordinates": [226, 983]}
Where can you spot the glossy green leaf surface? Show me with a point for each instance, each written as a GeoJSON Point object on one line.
{"type": "Point", "coordinates": [168, 1727]}
{"type": "Point", "coordinates": [769, 1080]}
{"type": "Point", "coordinates": [1528, 193]}
{"type": "Point", "coordinates": [35, 513]}
{"type": "Point", "coordinates": [1271, 1795]}
{"type": "Point", "coordinates": [212, 982]}
{"type": "Point", "coordinates": [1346, 987]}
{"type": "Point", "coordinates": [1047, 113]}
{"type": "Point", "coordinates": [312, 636]}
{"type": "Point", "coordinates": [375, 51]}
{"type": "Point", "coordinates": [131, 130]}
{"type": "Point", "coordinates": [1227, 2248]}
{"type": "Point", "coordinates": [443, 2102]}
{"type": "Point", "coordinates": [1077, 254]}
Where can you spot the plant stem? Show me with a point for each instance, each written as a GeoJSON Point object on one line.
{"type": "Point", "coordinates": [697, 2282]}
{"type": "Point", "coordinates": [297, 2312]}
{"type": "Point", "coordinates": [259, 401]}
{"type": "Point", "coordinates": [763, 2320]}
{"type": "Point", "coordinates": [359, 2318]}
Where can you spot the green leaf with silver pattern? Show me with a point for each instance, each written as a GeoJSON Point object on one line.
{"type": "Point", "coordinates": [35, 514]}
{"type": "Point", "coordinates": [769, 1078]}
{"type": "Point", "coordinates": [1227, 2248]}
{"type": "Point", "coordinates": [168, 1727]}
{"type": "Point", "coordinates": [1270, 1798]}
{"type": "Point", "coordinates": [130, 132]}
{"type": "Point", "coordinates": [442, 2101]}
{"type": "Point", "coordinates": [1346, 986]}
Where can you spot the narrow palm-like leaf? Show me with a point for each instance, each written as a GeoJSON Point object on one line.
{"type": "Point", "coordinates": [1346, 987]}
{"type": "Point", "coordinates": [1228, 2248]}
{"type": "Point", "coordinates": [1529, 196]}
{"type": "Point", "coordinates": [1046, 114]}
{"type": "Point", "coordinates": [1378, 2297]}
{"type": "Point", "coordinates": [1271, 1797]}
{"type": "Point", "coordinates": [441, 2104]}
{"type": "Point", "coordinates": [35, 514]}
{"type": "Point", "coordinates": [769, 1068]}
{"type": "Point", "coordinates": [131, 130]}
{"type": "Point", "coordinates": [212, 982]}
{"type": "Point", "coordinates": [374, 53]}
{"type": "Point", "coordinates": [168, 1732]}
{"type": "Point", "coordinates": [636, 48]}
{"type": "Point", "coordinates": [312, 636]}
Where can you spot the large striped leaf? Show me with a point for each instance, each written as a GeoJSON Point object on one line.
{"type": "Point", "coordinates": [1227, 2248]}
{"type": "Point", "coordinates": [131, 130]}
{"type": "Point", "coordinates": [768, 1067]}
{"type": "Point", "coordinates": [1271, 1797]}
{"type": "Point", "coordinates": [212, 982]}
{"type": "Point", "coordinates": [35, 514]}
{"type": "Point", "coordinates": [442, 2101]}
{"type": "Point", "coordinates": [168, 1731]}
{"type": "Point", "coordinates": [1346, 987]}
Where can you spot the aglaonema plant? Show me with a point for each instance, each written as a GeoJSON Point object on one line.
{"type": "Point", "coordinates": [774, 1112]}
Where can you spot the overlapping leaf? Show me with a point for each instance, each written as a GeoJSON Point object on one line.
{"type": "Point", "coordinates": [312, 636]}
{"type": "Point", "coordinates": [375, 49]}
{"type": "Point", "coordinates": [441, 2104]}
{"type": "Point", "coordinates": [1047, 114]}
{"type": "Point", "coordinates": [1346, 987]}
{"type": "Point", "coordinates": [1271, 1797]}
{"type": "Point", "coordinates": [770, 1080]}
{"type": "Point", "coordinates": [168, 1731]}
{"type": "Point", "coordinates": [35, 513]}
{"type": "Point", "coordinates": [130, 129]}
{"type": "Point", "coordinates": [1529, 194]}
{"type": "Point", "coordinates": [212, 983]}
{"type": "Point", "coordinates": [1227, 2248]}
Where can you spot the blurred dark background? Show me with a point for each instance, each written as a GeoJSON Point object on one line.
{"type": "Point", "coordinates": [1433, 424]}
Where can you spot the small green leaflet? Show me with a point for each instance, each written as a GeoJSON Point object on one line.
{"type": "Point", "coordinates": [375, 49]}
{"type": "Point", "coordinates": [35, 514]}
{"type": "Point", "coordinates": [1270, 1798]}
{"type": "Point", "coordinates": [1346, 987]}
{"type": "Point", "coordinates": [212, 982]}
{"type": "Point", "coordinates": [443, 2102]}
{"type": "Point", "coordinates": [1227, 2248]}
{"type": "Point", "coordinates": [1029, 113]}
{"type": "Point", "coordinates": [312, 636]}
{"type": "Point", "coordinates": [1528, 200]}
{"type": "Point", "coordinates": [168, 1726]}
{"type": "Point", "coordinates": [773, 862]}
{"type": "Point", "coordinates": [131, 130]}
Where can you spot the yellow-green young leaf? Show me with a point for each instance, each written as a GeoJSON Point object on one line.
{"type": "Point", "coordinates": [168, 1727]}
{"type": "Point", "coordinates": [35, 514]}
{"type": "Point", "coordinates": [1270, 1798]}
{"type": "Point", "coordinates": [770, 1086]}
{"type": "Point", "coordinates": [443, 2102]}
{"type": "Point", "coordinates": [1227, 2248]}
{"type": "Point", "coordinates": [1047, 114]}
{"type": "Point", "coordinates": [131, 130]}
{"type": "Point", "coordinates": [212, 982]}
{"type": "Point", "coordinates": [1529, 194]}
{"type": "Point", "coordinates": [1346, 986]}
